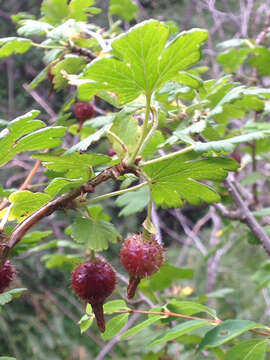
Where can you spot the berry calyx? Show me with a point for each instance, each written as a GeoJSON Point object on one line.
{"type": "Point", "coordinates": [7, 275]}
{"type": "Point", "coordinates": [93, 281]}
{"type": "Point", "coordinates": [141, 258]}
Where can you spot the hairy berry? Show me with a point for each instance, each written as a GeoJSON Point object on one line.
{"type": "Point", "coordinates": [141, 258]}
{"type": "Point", "coordinates": [93, 281]}
{"type": "Point", "coordinates": [7, 275]}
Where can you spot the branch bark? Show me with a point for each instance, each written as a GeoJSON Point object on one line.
{"type": "Point", "coordinates": [247, 216]}
{"type": "Point", "coordinates": [62, 202]}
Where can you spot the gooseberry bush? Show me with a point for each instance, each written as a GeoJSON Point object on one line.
{"type": "Point", "coordinates": [170, 142]}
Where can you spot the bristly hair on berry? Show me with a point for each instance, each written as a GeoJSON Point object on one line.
{"type": "Point", "coordinates": [141, 258]}
{"type": "Point", "coordinates": [93, 281]}
{"type": "Point", "coordinates": [7, 275]}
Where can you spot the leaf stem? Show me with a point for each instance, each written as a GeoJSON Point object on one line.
{"type": "Point", "coordinates": [187, 317]}
{"type": "Point", "coordinates": [117, 138]}
{"type": "Point", "coordinates": [47, 46]}
{"type": "Point", "coordinates": [169, 156]}
{"type": "Point", "coordinates": [151, 131]}
{"type": "Point", "coordinates": [144, 129]}
{"type": "Point", "coordinates": [111, 194]}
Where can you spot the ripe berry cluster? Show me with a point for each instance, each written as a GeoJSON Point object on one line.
{"type": "Point", "coordinates": [94, 280]}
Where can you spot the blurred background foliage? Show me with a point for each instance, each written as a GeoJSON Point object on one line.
{"type": "Point", "coordinates": [224, 256]}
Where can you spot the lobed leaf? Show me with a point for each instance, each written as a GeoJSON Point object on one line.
{"type": "Point", "coordinates": [176, 178]}
{"type": "Point", "coordinates": [24, 203]}
{"type": "Point", "coordinates": [142, 61]}
{"type": "Point", "coordinates": [125, 9]}
{"type": "Point", "coordinates": [25, 134]}
{"type": "Point", "coordinates": [95, 234]}
{"type": "Point", "coordinates": [14, 45]}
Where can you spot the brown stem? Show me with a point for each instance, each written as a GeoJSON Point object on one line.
{"type": "Point", "coordinates": [62, 202]}
{"type": "Point", "coordinates": [247, 216]}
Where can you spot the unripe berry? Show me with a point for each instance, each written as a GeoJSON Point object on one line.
{"type": "Point", "coordinates": [7, 275]}
{"type": "Point", "coordinates": [93, 281]}
{"type": "Point", "coordinates": [141, 257]}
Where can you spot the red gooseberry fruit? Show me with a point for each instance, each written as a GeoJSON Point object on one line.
{"type": "Point", "coordinates": [141, 258]}
{"type": "Point", "coordinates": [93, 281]}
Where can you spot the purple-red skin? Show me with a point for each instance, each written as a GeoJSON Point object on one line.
{"type": "Point", "coordinates": [93, 281]}
{"type": "Point", "coordinates": [84, 110]}
{"type": "Point", "coordinates": [7, 275]}
{"type": "Point", "coordinates": [236, 157]}
{"type": "Point", "coordinates": [111, 152]}
{"type": "Point", "coordinates": [141, 258]}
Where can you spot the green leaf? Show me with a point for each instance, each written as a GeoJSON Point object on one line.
{"type": "Point", "coordinates": [179, 330]}
{"type": "Point", "coordinates": [38, 79]}
{"type": "Point", "coordinates": [230, 143]}
{"type": "Point", "coordinates": [31, 27]}
{"type": "Point", "coordinates": [232, 59]}
{"type": "Point", "coordinates": [133, 201]}
{"type": "Point", "coordinates": [136, 329]}
{"type": "Point", "coordinates": [24, 203]}
{"type": "Point", "coordinates": [262, 212]}
{"type": "Point", "coordinates": [232, 43]}
{"type": "Point", "coordinates": [260, 60]}
{"type": "Point", "coordinates": [54, 11]}
{"type": "Point", "coordinates": [236, 102]}
{"type": "Point", "coordinates": [125, 9]}
{"type": "Point", "coordinates": [177, 177]}
{"type": "Point", "coordinates": [72, 64]}
{"type": "Point", "coordinates": [95, 234]}
{"type": "Point", "coordinates": [125, 126]}
{"type": "Point", "coordinates": [14, 45]}
{"type": "Point", "coordinates": [29, 241]}
{"type": "Point", "coordinates": [76, 167]}
{"type": "Point", "coordinates": [79, 10]}
{"type": "Point", "coordinates": [25, 134]}
{"type": "Point", "coordinates": [114, 326]}
{"type": "Point", "coordinates": [253, 349]}
{"type": "Point", "coordinates": [189, 308]}
{"type": "Point", "coordinates": [62, 185]}
{"type": "Point", "coordinates": [225, 332]}
{"type": "Point", "coordinates": [89, 310]}
{"type": "Point", "coordinates": [85, 143]}
{"type": "Point", "coordinates": [72, 165]}
{"type": "Point", "coordinates": [164, 278]}
{"type": "Point", "coordinates": [85, 322]}
{"type": "Point", "coordinates": [142, 61]}
{"type": "Point", "coordinates": [262, 275]}
{"type": "Point", "coordinates": [221, 293]}
{"type": "Point", "coordinates": [7, 358]}
{"type": "Point", "coordinates": [114, 305]}
{"type": "Point", "coordinates": [63, 261]}
{"type": "Point", "coordinates": [7, 296]}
